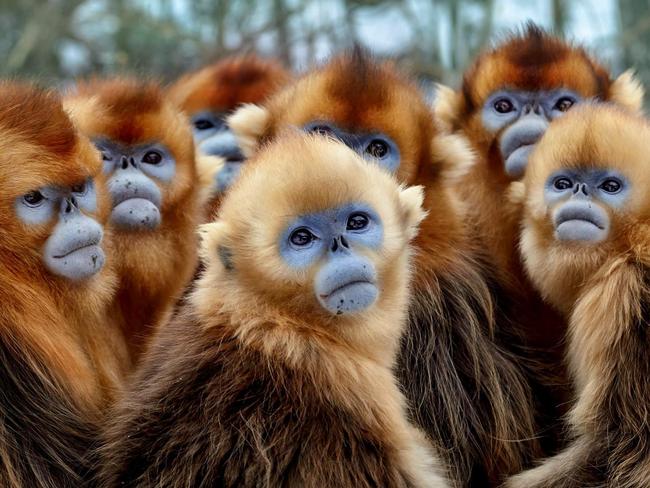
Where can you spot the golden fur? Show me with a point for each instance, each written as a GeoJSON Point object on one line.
{"type": "Point", "coordinates": [604, 290]}
{"type": "Point", "coordinates": [153, 267]}
{"type": "Point", "coordinates": [531, 60]}
{"type": "Point", "coordinates": [291, 395]}
{"type": "Point", "coordinates": [61, 361]}
{"type": "Point", "coordinates": [466, 388]}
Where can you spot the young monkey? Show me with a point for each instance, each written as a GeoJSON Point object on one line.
{"type": "Point", "coordinates": [279, 371]}
{"type": "Point", "coordinates": [586, 246]}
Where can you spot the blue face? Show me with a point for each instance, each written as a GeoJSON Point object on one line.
{"type": "Point", "coordinates": [132, 174]}
{"type": "Point", "coordinates": [374, 146]}
{"type": "Point", "coordinates": [346, 281]}
{"type": "Point", "coordinates": [213, 137]}
{"type": "Point", "coordinates": [72, 249]}
{"type": "Point", "coordinates": [580, 197]}
{"type": "Point", "coordinates": [523, 117]}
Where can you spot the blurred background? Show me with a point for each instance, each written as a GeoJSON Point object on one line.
{"type": "Point", "coordinates": [56, 40]}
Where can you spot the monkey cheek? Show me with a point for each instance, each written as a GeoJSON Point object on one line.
{"type": "Point", "coordinates": [516, 162]}
{"type": "Point", "coordinates": [349, 298]}
{"type": "Point", "coordinates": [136, 214]}
{"type": "Point", "coordinates": [77, 265]}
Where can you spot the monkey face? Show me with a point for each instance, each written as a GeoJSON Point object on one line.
{"type": "Point", "coordinates": [63, 217]}
{"type": "Point", "coordinates": [334, 240]}
{"type": "Point", "coordinates": [324, 234]}
{"type": "Point", "coordinates": [580, 200]}
{"type": "Point", "coordinates": [132, 173]}
{"type": "Point", "coordinates": [520, 118]}
{"type": "Point", "coordinates": [213, 137]}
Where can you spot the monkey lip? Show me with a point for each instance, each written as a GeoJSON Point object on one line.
{"type": "Point", "coordinates": [90, 244]}
{"type": "Point", "coordinates": [346, 286]}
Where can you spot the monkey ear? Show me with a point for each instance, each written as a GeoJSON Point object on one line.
{"type": "Point", "coordinates": [213, 243]}
{"type": "Point", "coordinates": [249, 123]}
{"type": "Point", "coordinates": [411, 199]}
{"type": "Point", "coordinates": [627, 91]}
{"type": "Point", "coordinates": [448, 105]}
{"type": "Point", "coordinates": [207, 167]}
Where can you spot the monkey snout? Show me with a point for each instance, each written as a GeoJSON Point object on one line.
{"type": "Point", "coordinates": [581, 220]}
{"type": "Point", "coordinates": [517, 143]}
{"type": "Point", "coordinates": [346, 285]}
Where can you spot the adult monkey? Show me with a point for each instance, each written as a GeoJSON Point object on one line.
{"type": "Point", "coordinates": [508, 98]}
{"type": "Point", "coordinates": [466, 390]}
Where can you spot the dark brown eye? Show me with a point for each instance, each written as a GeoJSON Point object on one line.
{"type": "Point", "coordinates": [203, 124]}
{"type": "Point", "coordinates": [152, 157]}
{"type": "Point", "coordinates": [564, 104]}
{"type": "Point", "coordinates": [562, 184]}
{"type": "Point", "coordinates": [378, 149]}
{"type": "Point", "coordinates": [322, 130]}
{"type": "Point", "coordinates": [80, 188]}
{"type": "Point", "coordinates": [358, 221]}
{"type": "Point", "coordinates": [610, 186]}
{"type": "Point", "coordinates": [33, 198]}
{"type": "Point", "coordinates": [301, 237]}
{"type": "Point", "coordinates": [503, 106]}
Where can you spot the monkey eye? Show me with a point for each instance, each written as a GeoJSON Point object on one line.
{"type": "Point", "coordinates": [33, 198]}
{"type": "Point", "coordinates": [503, 106]}
{"type": "Point", "coordinates": [203, 124]}
{"type": "Point", "coordinates": [79, 188]}
{"type": "Point", "coordinates": [322, 130]}
{"type": "Point", "coordinates": [378, 149]}
{"type": "Point", "coordinates": [302, 237]}
{"type": "Point", "coordinates": [562, 184]}
{"type": "Point", "coordinates": [106, 156]}
{"type": "Point", "coordinates": [564, 104]}
{"type": "Point", "coordinates": [610, 185]}
{"type": "Point", "coordinates": [152, 157]}
{"type": "Point", "coordinates": [358, 221]}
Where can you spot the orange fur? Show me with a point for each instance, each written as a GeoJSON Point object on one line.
{"type": "Point", "coordinates": [453, 307]}
{"type": "Point", "coordinates": [153, 267]}
{"type": "Point", "coordinates": [604, 290]}
{"type": "Point", "coordinates": [54, 334]}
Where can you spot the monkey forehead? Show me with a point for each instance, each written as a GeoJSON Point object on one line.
{"type": "Point", "coordinates": [301, 173]}
{"type": "Point", "coordinates": [594, 136]}
{"type": "Point", "coordinates": [228, 83]}
{"type": "Point", "coordinates": [535, 61]}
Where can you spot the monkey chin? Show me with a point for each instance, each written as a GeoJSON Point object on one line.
{"type": "Point", "coordinates": [355, 296]}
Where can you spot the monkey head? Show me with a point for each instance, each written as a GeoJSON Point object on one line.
{"type": "Point", "coordinates": [209, 95]}
{"type": "Point", "coordinates": [311, 229]}
{"type": "Point", "coordinates": [146, 147]}
{"type": "Point", "coordinates": [363, 103]}
{"type": "Point", "coordinates": [513, 91]}
{"type": "Point", "coordinates": [586, 197]}
{"type": "Point", "coordinates": [51, 210]}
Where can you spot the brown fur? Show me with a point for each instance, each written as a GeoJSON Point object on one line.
{"type": "Point", "coordinates": [532, 60]}
{"type": "Point", "coordinates": [153, 267]}
{"type": "Point", "coordinates": [604, 289]}
{"type": "Point", "coordinates": [222, 87]}
{"type": "Point", "coordinates": [254, 384]}
{"type": "Point", "coordinates": [60, 362]}
{"type": "Point", "coordinates": [467, 391]}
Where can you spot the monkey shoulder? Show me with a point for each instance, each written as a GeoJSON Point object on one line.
{"type": "Point", "coordinates": [223, 414]}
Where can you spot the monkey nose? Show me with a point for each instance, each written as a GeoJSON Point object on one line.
{"type": "Point", "coordinates": [69, 204]}
{"type": "Point", "coordinates": [339, 243]}
{"type": "Point", "coordinates": [124, 162]}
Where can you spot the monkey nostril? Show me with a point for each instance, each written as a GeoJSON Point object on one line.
{"type": "Point", "coordinates": [584, 189]}
{"type": "Point", "coordinates": [132, 161]}
{"type": "Point", "coordinates": [344, 242]}
{"type": "Point", "coordinates": [124, 162]}
{"type": "Point", "coordinates": [68, 206]}
{"type": "Point", "coordinates": [335, 245]}
{"type": "Point", "coordinates": [73, 201]}
{"type": "Point", "coordinates": [576, 188]}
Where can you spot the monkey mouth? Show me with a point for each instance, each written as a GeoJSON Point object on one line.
{"type": "Point", "coordinates": [79, 246]}
{"type": "Point", "coordinates": [346, 286]}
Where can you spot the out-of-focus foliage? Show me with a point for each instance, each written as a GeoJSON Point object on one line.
{"type": "Point", "coordinates": [56, 40]}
